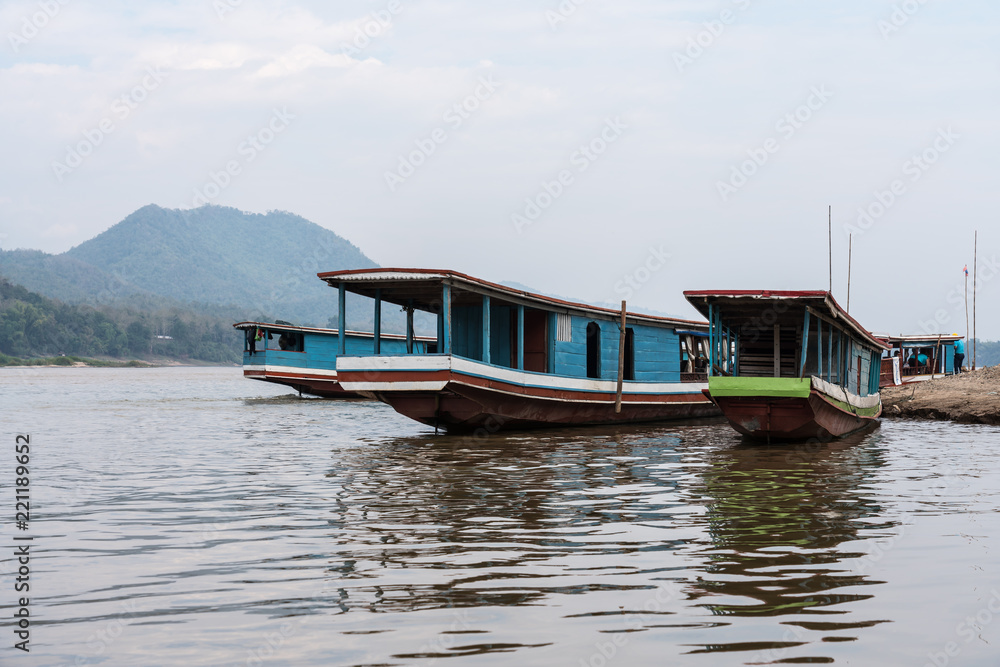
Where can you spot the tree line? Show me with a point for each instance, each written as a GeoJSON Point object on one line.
{"type": "Point", "coordinates": [32, 325]}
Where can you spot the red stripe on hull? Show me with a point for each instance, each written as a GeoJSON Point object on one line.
{"type": "Point", "coordinates": [391, 377]}
{"type": "Point", "coordinates": [468, 403]}
{"type": "Point", "coordinates": [767, 418]}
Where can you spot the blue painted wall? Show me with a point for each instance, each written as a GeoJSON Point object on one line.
{"type": "Point", "coordinates": [467, 331]}
{"type": "Point", "coordinates": [501, 318]}
{"type": "Point", "coordinates": [657, 352]}
{"type": "Point", "coordinates": [321, 351]}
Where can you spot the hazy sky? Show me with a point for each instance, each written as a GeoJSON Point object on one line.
{"type": "Point", "coordinates": [683, 145]}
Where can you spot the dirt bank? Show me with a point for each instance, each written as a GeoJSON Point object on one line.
{"type": "Point", "coordinates": [968, 398]}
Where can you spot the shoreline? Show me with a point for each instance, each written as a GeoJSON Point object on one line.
{"type": "Point", "coordinates": [967, 398]}
{"type": "Point", "coordinates": [84, 362]}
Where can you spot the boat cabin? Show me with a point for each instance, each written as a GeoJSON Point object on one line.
{"type": "Point", "coordinates": [788, 334]}
{"type": "Point", "coordinates": [510, 328]}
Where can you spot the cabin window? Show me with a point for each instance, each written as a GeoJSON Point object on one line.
{"type": "Point", "coordinates": [629, 354]}
{"type": "Point", "coordinates": [564, 328]}
{"type": "Point", "coordinates": [291, 342]}
{"type": "Point", "coordinates": [593, 350]}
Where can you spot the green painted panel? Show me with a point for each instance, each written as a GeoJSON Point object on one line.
{"type": "Point", "coordinates": [751, 386]}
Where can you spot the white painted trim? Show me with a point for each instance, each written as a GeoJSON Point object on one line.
{"type": "Point", "coordinates": [332, 374]}
{"type": "Point", "coordinates": [837, 392]}
{"type": "Point", "coordinates": [409, 362]}
{"type": "Point", "coordinates": [508, 375]}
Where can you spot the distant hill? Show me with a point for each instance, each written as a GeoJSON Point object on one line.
{"type": "Point", "coordinates": [260, 265]}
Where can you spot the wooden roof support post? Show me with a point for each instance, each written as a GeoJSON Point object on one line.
{"type": "Point", "coordinates": [486, 329]}
{"type": "Point", "coordinates": [520, 338]}
{"type": "Point", "coordinates": [621, 361]}
{"type": "Point", "coordinates": [711, 339]}
{"type": "Point", "coordinates": [446, 316]}
{"type": "Point", "coordinates": [829, 355]}
{"type": "Point", "coordinates": [377, 341]}
{"type": "Point", "coordinates": [777, 350]}
{"type": "Point", "coordinates": [409, 327]}
{"type": "Point", "coordinates": [342, 316]}
{"type": "Point", "coordinates": [805, 345]}
{"type": "Point", "coordinates": [819, 347]}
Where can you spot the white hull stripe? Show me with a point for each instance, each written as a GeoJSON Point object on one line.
{"type": "Point", "coordinates": [292, 370]}
{"type": "Point", "coordinates": [422, 363]}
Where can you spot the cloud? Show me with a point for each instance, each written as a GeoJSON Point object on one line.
{"type": "Point", "coordinates": [303, 57]}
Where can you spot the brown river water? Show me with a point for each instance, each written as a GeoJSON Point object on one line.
{"type": "Point", "coordinates": [187, 516]}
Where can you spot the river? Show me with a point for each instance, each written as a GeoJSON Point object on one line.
{"type": "Point", "coordinates": [187, 516]}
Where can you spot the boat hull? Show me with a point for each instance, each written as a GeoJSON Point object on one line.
{"type": "Point", "coordinates": [466, 396]}
{"type": "Point", "coordinates": [780, 409]}
{"type": "Point", "coordinates": [314, 384]}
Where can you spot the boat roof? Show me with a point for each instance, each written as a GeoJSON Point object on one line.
{"type": "Point", "coordinates": [274, 326]}
{"type": "Point", "coordinates": [916, 339]}
{"type": "Point", "coordinates": [747, 305]}
{"type": "Point", "coordinates": [422, 286]}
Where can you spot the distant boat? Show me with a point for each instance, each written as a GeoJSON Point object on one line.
{"type": "Point", "coordinates": [305, 358]}
{"type": "Point", "coordinates": [917, 358]}
{"type": "Point", "coordinates": [506, 358]}
{"type": "Point", "coordinates": [790, 365]}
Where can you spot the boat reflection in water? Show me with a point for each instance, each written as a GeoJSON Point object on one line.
{"type": "Point", "coordinates": [684, 538]}
{"type": "Point", "coordinates": [778, 517]}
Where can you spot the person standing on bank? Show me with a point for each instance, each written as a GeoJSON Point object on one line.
{"type": "Point", "coordinates": [959, 355]}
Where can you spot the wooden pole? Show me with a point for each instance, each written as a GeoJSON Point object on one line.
{"type": "Point", "coordinates": [975, 270]}
{"type": "Point", "coordinates": [621, 362]}
{"type": "Point", "coordinates": [850, 251]}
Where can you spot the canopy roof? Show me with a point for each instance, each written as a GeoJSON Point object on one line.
{"type": "Point", "coordinates": [423, 287]}
{"type": "Point", "coordinates": [742, 307]}
{"type": "Point", "coordinates": [920, 339]}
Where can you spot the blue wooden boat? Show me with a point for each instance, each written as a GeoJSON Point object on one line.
{"type": "Point", "coordinates": [305, 358]}
{"type": "Point", "coordinates": [505, 358]}
{"type": "Point", "coordinates": [790, 365]}
{"type": "Point", "coordinates": [917, 357]}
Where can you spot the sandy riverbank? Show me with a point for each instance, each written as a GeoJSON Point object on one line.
{"type": "Point", "coordinates": [968, 398]}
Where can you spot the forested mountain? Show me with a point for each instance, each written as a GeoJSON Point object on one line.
{"type": "Point", "coordinates": [263, 265]}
